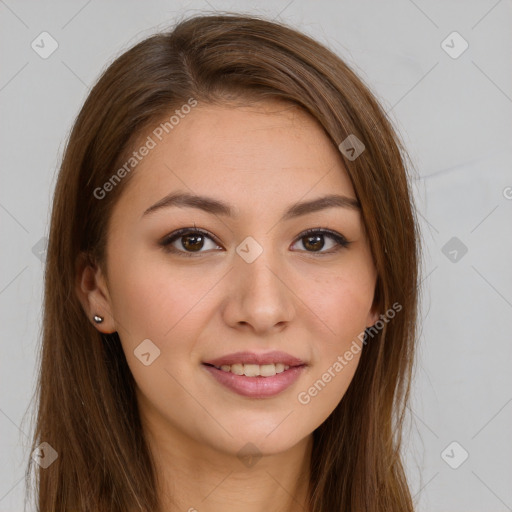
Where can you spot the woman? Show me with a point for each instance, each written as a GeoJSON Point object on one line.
{"type": "Point", "coordinates": [231, 284]}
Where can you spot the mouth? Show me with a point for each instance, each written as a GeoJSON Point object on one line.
{"type": "Point", "coordinates": [256, 375]}
{"type": "Point", "coordinates": [253, 370]}
{"type": "Point", "coordinates": [254, 358]}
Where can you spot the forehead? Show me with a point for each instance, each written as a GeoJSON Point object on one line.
{"type": "Point", "coordinates": [270, 152]}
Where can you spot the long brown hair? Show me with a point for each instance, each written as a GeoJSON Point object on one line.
{"type": "Point", "coordinates": [87, 409]}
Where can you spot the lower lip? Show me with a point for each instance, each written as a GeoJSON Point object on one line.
{"type": "Point", "coordinates": [257, 387]}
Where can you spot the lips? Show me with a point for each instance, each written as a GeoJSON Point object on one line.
{"type": "Point", "coordinates": [256, 375]}
{"type": "Point", "coordinates": [274, 357]}
{"type": "Point", "coordinates": [256, 387]}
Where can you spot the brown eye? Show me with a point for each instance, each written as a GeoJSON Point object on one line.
{"type": "Point", "coordinates": [313, 241]}
{"type": "Point", "coordinates": [192, 242]}
{"type": "Point", "coordinates": [188, 241]}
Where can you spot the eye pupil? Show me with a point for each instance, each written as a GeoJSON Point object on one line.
{"type": "Point", "coordinates": [316, 245]}
{"type": "Point", "coordinates": [195, 245]}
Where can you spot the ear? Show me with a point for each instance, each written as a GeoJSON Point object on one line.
{"type": "Point", "coordinates": [373, 316]}
{"type": "Point", "coordinates": [374, 313]}
{"type": "Point", "coordinates": [92, 290]}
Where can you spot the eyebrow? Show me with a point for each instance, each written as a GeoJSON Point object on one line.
{"type": "Point", "coordinates": [217, 207]}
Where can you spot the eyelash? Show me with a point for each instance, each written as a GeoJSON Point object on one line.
{"type": "Point", "coordinates": [340, 240]}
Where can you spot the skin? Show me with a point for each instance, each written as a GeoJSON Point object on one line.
{"type": "Point", "coordinates": [261, 159]}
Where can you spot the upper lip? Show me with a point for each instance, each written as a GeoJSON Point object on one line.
{"type": "Point", "coordinates": [255, 358]}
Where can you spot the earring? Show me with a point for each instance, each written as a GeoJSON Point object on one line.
{"type": "Point", "coordinates": [98, 319]}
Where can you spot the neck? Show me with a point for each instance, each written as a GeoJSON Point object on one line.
{"type": "Point", "coordinates": [193, 477]}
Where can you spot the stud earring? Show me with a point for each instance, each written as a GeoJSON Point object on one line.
{"type": "Point", "coordinates": [98, 319]}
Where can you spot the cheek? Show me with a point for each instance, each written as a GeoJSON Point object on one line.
{"type": "Point", "coordinates": [152, 301]}
{"type": "Point", "coordinates": [328, 384]}
{"type": "Point", "coordinates": [344, 310]}
{"type": "Point", "coordinates": [342, 303]}
{"type": "Point", "coordinates": [151, 298]}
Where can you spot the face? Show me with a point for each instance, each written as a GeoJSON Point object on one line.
{"type": "Point", "coordinates": [201, 291]}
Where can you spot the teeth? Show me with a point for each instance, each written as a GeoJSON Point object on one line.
{"type": "Point", "coordinates": [280, 367]}
{"type": "Point", "coordinates": [267, 370]}
{"type": "Point", "coordinates": [255, 370]}
{"type": "Point", "coordinates": [251, 370]}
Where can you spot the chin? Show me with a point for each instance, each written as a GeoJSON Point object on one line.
{"type": "Point", "coordinates": [255, 440]}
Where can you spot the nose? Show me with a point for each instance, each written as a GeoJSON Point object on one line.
{"type": "Point", "coordinates": [260, 295]}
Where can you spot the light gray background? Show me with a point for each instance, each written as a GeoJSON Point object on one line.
{"type": "Point", "coordinates": [454, 115]}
